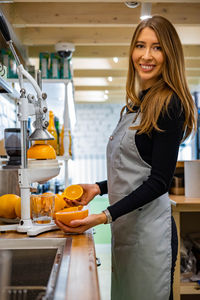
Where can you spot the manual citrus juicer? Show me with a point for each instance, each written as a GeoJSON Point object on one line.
{"type": "Point", "coordinates": [29, 105]}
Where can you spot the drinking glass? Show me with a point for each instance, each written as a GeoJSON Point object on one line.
{"type": "Point", "coordinates": [42, 208]}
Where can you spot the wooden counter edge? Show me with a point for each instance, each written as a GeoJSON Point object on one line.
{"type": "Point", "coordinates": [185, 203]}
{"type": "Point", "coordinates": [83, 278]}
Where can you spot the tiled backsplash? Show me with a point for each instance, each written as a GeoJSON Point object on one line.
{"type": "Point", "coordinates": [95, 123]}
{"type": "Point", "coordinates": [8, 118]}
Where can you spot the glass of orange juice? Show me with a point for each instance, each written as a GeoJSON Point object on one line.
{"type": "Point", "coordinates": [42, 208]}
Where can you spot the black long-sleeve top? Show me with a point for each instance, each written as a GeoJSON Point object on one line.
{"type": "Point", "coordinates": [160, 151]}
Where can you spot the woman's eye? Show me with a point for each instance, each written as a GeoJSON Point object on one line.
{"type": "Point", "coordinates": [157, 48]}
{"type": "Point", "coordinates": [139, 46]}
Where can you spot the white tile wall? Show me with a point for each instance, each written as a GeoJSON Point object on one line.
{"type": "Point", "coordinates": [95, 123]}
{"type": "Point", "coordinates": [8, 115]}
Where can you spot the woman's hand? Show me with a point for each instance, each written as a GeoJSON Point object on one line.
{"type": "Point", "coordinates": [79, 226]}
{"type": "Point", "coordinates": [89, 192]}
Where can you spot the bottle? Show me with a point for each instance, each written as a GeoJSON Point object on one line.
{"type": "Point", "coordinates": [70, 143]}
{"type": "Point", "coordinates": [61, 150]}
{"type": "Point", "coordinates": [52, 129]}
{"type": "Point", "coordinates": [56, 122]}
{"type": "Point", "coordinates": [44, 63]}
{"type": "Point", "coordinates": [65, 142]}
{"type": "Point", "coordinates": [55, 66]}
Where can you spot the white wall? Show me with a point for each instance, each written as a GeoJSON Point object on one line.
{"type": "Point", "coordinates": [95, 123]}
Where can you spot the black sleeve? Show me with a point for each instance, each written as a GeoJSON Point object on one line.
{"type": "Point", "coordinates": [165, 146]}
{"type": "Point", "coordinates": [103, 187]}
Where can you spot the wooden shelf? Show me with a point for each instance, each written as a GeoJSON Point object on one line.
{"type": "Point", "coordinates": [180, 164]}
{"type": "Point", "coordinates": [186, 214]}
{"type": "Point", "coordinates": [189, 288]}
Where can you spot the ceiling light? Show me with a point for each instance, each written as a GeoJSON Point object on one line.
{"type": "Point", "coordinates": [106, 92]}
{"type": "Point", "coordinates": [145, 11]}
{"type": "Point", "coordinates": [132, 4]}
{"type": "Point", "coordinates": [105, 97]}
{"type": "Point", "coordinates": [115, 59]}
{"type": "Point", "coordinates": [110, 78]}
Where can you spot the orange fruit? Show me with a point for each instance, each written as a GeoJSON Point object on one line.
{"type": "Point", "coordinates": [7, 206]}
{"type": "Point", "coordinates": [18, 207]}
{"type": "Point", "coordinates": [73, 192]}
{"type": "Point", "coordinates": [72, 208]}
{"type": "Point", "coordinates": [67, 216]}
{"type": "Point", "coordinates": [59, 204]}
{"type": "Point", "coordinates": [41, 151]}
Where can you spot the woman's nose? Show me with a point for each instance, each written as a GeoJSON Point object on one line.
{"type": "Point", "coordinates": [147, 54]}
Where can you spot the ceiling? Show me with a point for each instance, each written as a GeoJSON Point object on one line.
{"type": "Point", "coordinates": [100, 31]}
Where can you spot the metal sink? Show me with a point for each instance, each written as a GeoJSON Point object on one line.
{"type": "Point", "coordinates": [39, 267]}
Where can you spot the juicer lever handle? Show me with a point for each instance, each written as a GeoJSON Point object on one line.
{"type": "Point", "coordinates": [4, 28]}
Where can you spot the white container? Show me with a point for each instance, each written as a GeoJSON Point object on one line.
{"type": "Point", "coordinates": [192, 178]}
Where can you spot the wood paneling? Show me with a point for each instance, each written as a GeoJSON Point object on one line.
{"type": "Point", "coordinates": [100, 29]}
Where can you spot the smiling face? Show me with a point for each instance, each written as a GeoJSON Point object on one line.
{"type": "Point", "coordinates": [147, 58]}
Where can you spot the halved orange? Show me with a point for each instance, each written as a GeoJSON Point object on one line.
{"type": "Point", "coordinates": [67, 216]}
{"type": "Point", "coordinates": [73, 192]}
{"type": "Point", "coordinates": [59, 203]}
{"type": "Point", "coordinates": [72, 208]}
{"type": "Point", "coordinates": [68, 209]}
{"type": "Point", "coordinates": [41, 151]}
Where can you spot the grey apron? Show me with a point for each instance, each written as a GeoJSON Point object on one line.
{"type": "Point", "coordinates": [141, 240]}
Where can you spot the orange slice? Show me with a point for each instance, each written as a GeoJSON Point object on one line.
{"type": "Point", "coordinates": [73, 192]}
{"type": "Point", "coordinates": [67, 216]}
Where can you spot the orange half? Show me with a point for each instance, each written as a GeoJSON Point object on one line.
{"type": "Point", "coordinates": [73, 192]}
{"type": "Point", "coordinates": [67, 216]}
{"type": "Point", "coordinates": [41, 151]}
{"type": "Point", "coordinates": [72, 208]}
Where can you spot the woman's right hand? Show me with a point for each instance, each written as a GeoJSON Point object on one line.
{"type": "Point", "coordinates": [89, 192]}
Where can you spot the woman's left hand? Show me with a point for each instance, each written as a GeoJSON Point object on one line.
{"type": "Point", "coordinates": [79, 226]}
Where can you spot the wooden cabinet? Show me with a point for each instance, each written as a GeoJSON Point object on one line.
{"type": "Point", "coordinates": [187, 217]}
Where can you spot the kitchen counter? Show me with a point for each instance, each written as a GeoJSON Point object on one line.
{"type": "Point", "coordinates": [82, 282]}
{"type": "Point", "coordinates": [185, 203]}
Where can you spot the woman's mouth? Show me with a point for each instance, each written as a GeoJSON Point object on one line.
{"type": "Point", "coordinates": [147, 68]}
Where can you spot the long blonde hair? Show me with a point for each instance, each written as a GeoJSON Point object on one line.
{"type": "Point", "coordinates": [172, 80]}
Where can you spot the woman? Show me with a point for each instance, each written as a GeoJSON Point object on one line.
{"type": "Point", "coordinates": [141, 159]}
